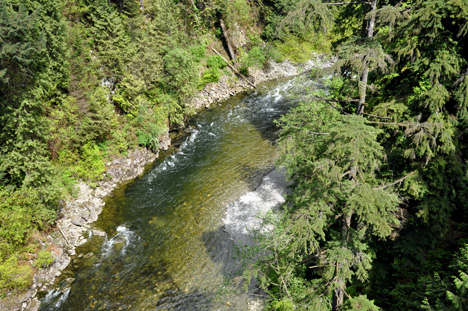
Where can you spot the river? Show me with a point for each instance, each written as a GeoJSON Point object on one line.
{"type": "Point", "coordinates": [171, 234]}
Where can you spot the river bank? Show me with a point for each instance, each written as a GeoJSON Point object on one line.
{"type": "Point", "coordinates": [78, 214]}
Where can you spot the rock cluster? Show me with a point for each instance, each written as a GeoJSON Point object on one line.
{"type": "Point", "coordinates": [230, 85]}
{"type": "Point", "coordinates": [76, 216]}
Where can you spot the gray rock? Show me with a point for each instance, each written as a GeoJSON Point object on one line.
{"type": "Point", "coordinates": [99, 233]}
{"type": "Point", "coordinates": [77, 221]}
{"type": "Point", "coordinates": [85, 215]}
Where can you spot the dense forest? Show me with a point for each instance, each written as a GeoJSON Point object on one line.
{"type": "Point", "coordinates": [377, 217]}
{"type": "Point", "coordinates": [376, 156]}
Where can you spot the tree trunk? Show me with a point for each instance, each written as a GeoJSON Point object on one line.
{"type": "Point", "coordinates": [365, 71]}
{"type": "Point", "coordinates": [228, 42]}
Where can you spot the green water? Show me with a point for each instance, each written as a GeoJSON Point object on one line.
{"type": "Point", "coordinates": [165, 247]}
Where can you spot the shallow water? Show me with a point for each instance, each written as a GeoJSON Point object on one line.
{"type": "Point", "coordinates": [166, 246]}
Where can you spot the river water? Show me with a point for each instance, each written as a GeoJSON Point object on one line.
{"type": "Point", "coordinates": [169, 244]}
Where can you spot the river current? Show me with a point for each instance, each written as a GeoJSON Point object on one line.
{"type": "Point", "coordinates": [171, 234]}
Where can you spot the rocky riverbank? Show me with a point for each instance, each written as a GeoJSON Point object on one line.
{"type": "Point", "coordinates": [78, 214]}
{"type": "Point", "coordinates": [231, 85]}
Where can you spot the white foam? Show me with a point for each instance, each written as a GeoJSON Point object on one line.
{"type": "Point", "coordinates": [247, 213]}
{"type": "Point", "coordinates": [124, 235]}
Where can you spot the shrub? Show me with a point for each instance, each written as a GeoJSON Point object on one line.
{"type": "Point", "coordinates": [299, 50]}
{"type": "Point", "coordinates": [92, 166]}
{"type": "Point", "coordinates": [256, 57]}
{"type": "Point", "coordinates": [14, 276]}
{"type": "Point", "coordinates": [198, 53]}
{"type": "Point", "coordinates": [181, 74]}
{"type": "Point", "coordinates": [149, 125]}
{"type": "Point", "coordinates": [210, 75]}
{"type": "Point", "coordinates": [215, 61]}
{"type": "Point", "coordinates": [44, 259]}
{"type": "Point", "coordinates": [21, 211]}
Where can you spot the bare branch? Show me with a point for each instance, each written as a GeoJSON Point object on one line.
{"type": "Point", "coordinates": [235, 70]}
{"type": "Point", "coordinates": [317, 133]}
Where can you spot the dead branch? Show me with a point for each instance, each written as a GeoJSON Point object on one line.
{"type": "Point", "coordinates": [235, 70]}
{"type": "Point", "coordinates": [63, 234]}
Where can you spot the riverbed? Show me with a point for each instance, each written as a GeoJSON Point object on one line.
{"type": "Point", "coordinates": [171, 235]}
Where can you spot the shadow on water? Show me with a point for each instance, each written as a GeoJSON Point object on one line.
{"type": "Point", "coordinates": [272, 103]}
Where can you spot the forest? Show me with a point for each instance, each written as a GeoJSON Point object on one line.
{"type": "Point", "coordinates": [376, 218]}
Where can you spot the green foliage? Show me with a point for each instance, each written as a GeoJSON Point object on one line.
{"type": "Point", "coordinates": [283, 305]}
{"type": "Point", "coordinates": [150, 126]}
{"type": "Point", "coordinates": [360, 303]}
{"type": "Point", "coordinates": [459, 297]}
{"type": "Point", "coordinates": [198, 53]}
{"type": "Point", "coordinates": [210, 75]}
{"type": "Point", "coordinates": [297, 18]}
{"type": "Point", "coordinates": [93, 165]}
{"type": "Point", "coordinates": [22, 43]}
{"type": "Point", "coordinates": [22, 211]}
{"type": "Point", "coordinates": [299, 50]}
{"type": "Point", "coordinates": [44, 259]}
{"type": "Point", "coordinates": [255, 58]}
{"type": "Point", "coordinates": [215, 62]}
{"type": "Point", "coordinates": [14, 276]}
{"type": "Point", "coordinates": [355, 177]}
{"type": "Point", "coordinates": [181, 73]}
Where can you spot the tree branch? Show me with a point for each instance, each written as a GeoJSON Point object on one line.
{"type": "Point", "coordinates": [235, 70]}
{"type": "Point", "coordinates": [374, 116]}
{"type": "Point", "coordinates": [342, 3]}
{"type": "Point", "coordinates": [459, 80]}
{"type": "Point", "coordinates": [318, 133]}
{"type": "Point", "coordinates": [337, 100]}
{"type": "Point", "coordinates": [329, 101]}
{"type": "Point", "coordinates": [395, 182]}
{"type": "Point", "coordinates": [401, 124]}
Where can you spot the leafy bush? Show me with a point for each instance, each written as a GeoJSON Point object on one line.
{"type": "Point", "coordinates": [150, 124]}
{"type": "Point", "coordinates": [198, 53]}
{"type": "Point", "coordinates": [282, 305]}
{"type": "Point", "coordinates": [215, 61]}
{"type": "Point", "coordinates": [21, 211]}
{"type": "Point", "coordinates": [181, 75]}
{"type": "Point", "coordinates": [44, 259]}
{"type": "Point", "coordinates": [129, 89]}
{"type": "Point", "coordinates": [210, 75]}
{"type": "Point", "coordinates": [14, 276]}
{"type": "Point", "coordinates": [256, 57]}
{"type": "Point", "coordinates": [93, 161]}
{"type": "Point", "coordinates": [295, 49]}
{"type": "Point", "coordinates": [299, 50]}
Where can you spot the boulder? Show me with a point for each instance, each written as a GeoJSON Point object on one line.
{"type": "Point", "coordinates": [77, 221]}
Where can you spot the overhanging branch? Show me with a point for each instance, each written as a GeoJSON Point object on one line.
{"type": "Point", "coordinates": [395, 182]}
{"type": "Point", "coordinates": [343, 3]}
